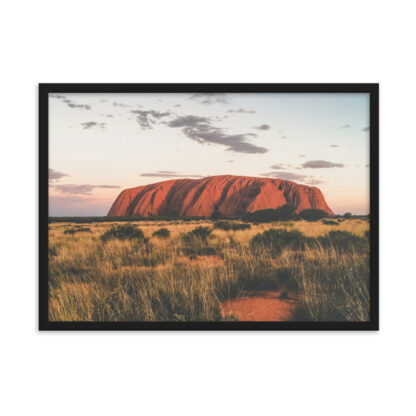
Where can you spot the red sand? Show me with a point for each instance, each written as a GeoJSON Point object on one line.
{"type": "Point", "coordinates": [261, 306]}
{"type": "Point", "coordinates": [227, 194]}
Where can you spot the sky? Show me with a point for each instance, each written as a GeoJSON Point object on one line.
{"type": "Point", "coordinates": [102, 143]}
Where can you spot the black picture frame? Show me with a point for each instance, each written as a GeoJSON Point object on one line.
{"type": "Point", "coordinates": [371, 89]}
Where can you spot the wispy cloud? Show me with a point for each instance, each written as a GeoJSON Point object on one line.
{"type": "Point", "coordinates": [241, 111]}
{"type": "Point", "coordinates": [148, 118]}
{"type": "Point", "coordinates": [321, 164]}
{"type": "Point", "coordinates": [302, 156]}
{"type": "Point", "coordinates": [210, 98]}
{"type": "Point", "coordinates": [80, 189]}
{"type": "Point", "coordinates": [122, 105]}
{"type": "Point", "coordinates": [262, 127]}
{"type": "Point", "coordinates": [366, 129]}
{"type": "Point", "coordinates": [91, 124]}
{"type": "Point", "coordinates": [295, 177]}
{"type": "Point", "coordinates": [288, 176]}
{"type": "Point", "coordinates": [169, 174]}
{"type": "Point", "coordinates": [278, 166]}
{"type": "Point", "coordinates": [69, 102]}
{"type": "Point", "coordinates": [333, 145]}
{"type": "Point", "coordinates": [55, 175]}
{"type": "Point", "coordinates": [201, 130]}
{"type": "Point", "coordinates": [345, 126]}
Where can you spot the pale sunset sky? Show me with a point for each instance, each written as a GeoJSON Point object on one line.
{"type": "Point", "coordinates": [100, 144]}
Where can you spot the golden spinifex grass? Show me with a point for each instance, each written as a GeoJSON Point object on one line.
{"type": "Point", "coordinates": [170, 277]}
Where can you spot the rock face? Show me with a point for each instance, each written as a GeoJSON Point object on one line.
{"type": "Point", "coordinates": [230, 195]}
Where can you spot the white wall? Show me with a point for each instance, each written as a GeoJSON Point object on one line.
{"type": "Point", "coordinates": [206, 373]}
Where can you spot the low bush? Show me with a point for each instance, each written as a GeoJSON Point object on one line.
{"type": "Point", "coordinates": [278, 239]}
{"type": "Point", "coordinates": [162, 233]}
{"type": "Point", "coordinates": [229, 225]}
{"type": "Point", "coordinates": [284, 213]}
{"type": "Point", "coordinates": [313, 214]}
{"type": "Point", "coordinates": [77, 230]}
{"type": "Point", "coordinates": [330, 222]}
{"type": "Point", "coordinates": [123, 232]}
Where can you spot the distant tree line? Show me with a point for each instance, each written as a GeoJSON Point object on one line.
{"type": "Point", "coordinates": [284, 213]}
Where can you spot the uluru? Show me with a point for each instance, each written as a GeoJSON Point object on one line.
{"type": "Point", "coordinates": [226, 194]}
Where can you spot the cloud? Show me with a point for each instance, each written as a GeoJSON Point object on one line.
{"type": "Point", "coordinates": [333, 145]}
{"type": "Point", "coordinates": [201, 130]}
{"type": "Point", "coordinates": [262, 127]}
{"type": "Point", "coordinates": [55, 175]}
{"type": "Point", "coordinates": [80, 189]}
{"type": "Point", "coordinates": [366, 129]}
{"type": "Point", "coordinates": [116, 104]}
{"type": "Point", "coordinates": [320, 164]}
{"type": "Point", "coordinates": [241, 111]}
{"type": "Point", "coordinates": [230, 161]}
{"type": "Point", "coordinates": [70, 103]}
{"type": "Point", "coordinates": [302, 156]}
{"type": "Point", "coordinates": [177, 105]}
{"type": "Point", "coordinates": [210, 98]}
{"type": "Point", "coordinates": [345, 126]}
{"type": "Point", "coordinates": [188, 121]}
{"type": "Point", "coordinates": [147, 119]}
{"type": "Point", "coordinates": [288, 176]}
{"type": "Point", "coordinates": [314, 182]}
{"type": "Point", "coordinates": [90, 124]}
{"type": "Point", "coordinates": [278, 166]}
{"type": "Point", "coordinates": [283, 137]}
{"type": "Point", "coordinates": [168, 174]}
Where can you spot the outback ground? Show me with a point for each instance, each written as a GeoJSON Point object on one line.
{"type": "Point", "coordinates": [205, 270]}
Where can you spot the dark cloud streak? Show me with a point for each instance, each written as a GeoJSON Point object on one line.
{"type": "Point", "coordinates": [201, 130]}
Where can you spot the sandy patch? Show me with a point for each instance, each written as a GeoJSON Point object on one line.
{"type": "Point", "coordinates": [261, 306]}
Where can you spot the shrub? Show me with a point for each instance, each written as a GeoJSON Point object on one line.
{"type": "Point", "coordinates": [343, 240]}
{"type": "Point", "coordinates": [199, 233]}
{"type": "Point", "coordinates": [123, 232]}
{"type": "Point", "coordinates": [228, 225]}
{"type": "Point", "coordinates": [162, 233]}
{"type": "Point", "coordinates": [283, 213]}
{"type": "Point", "coordinates": [330, 222]}
{"type": "Point", "coordinates": [77, 230]}
{"type": "Point", "coordinates": [278, 239]}
{"type": "Point", "coordinates": [313, 214]}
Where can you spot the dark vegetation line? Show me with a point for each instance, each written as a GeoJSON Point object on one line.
{"type": "Point", "coordinates": [283, 213]}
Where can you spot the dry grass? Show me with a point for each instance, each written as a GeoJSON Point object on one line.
{"type": "Point", "coordinates": [167, 279]}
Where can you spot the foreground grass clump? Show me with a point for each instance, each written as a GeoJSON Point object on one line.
{"type": "Point", "coordinates": [189, 275]}
{"type": "Point", "coordinates": [162, 233]}
{"type": "Point", "coordinates": [123, 232]}
{"type": "Point", "coordinates": [231, 226]}
{"type": "Point", "coordinates": [343, 241]}
{"type": "Point", "coordinates": [200, 233]}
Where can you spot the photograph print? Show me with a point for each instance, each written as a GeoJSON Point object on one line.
{"type": "Point", "coordinates": [208, 206]}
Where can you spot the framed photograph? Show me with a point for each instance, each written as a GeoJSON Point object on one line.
{"type": "Point", "coordinates": [208, 207]}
